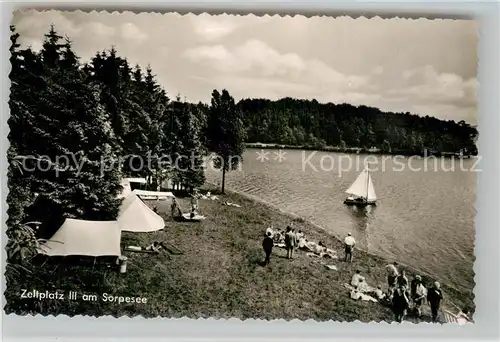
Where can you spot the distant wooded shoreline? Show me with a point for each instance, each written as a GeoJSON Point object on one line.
{"type": "Point", "coordinates": [359, 150]}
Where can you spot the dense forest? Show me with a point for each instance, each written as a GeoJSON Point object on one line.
{"type": "Point", "coordinates": [77, 128]}
{"type": "Point", "coordinates": [309, 123]}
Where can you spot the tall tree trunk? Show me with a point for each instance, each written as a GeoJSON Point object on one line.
{"type": "Point", "coordinates": [223, 175]}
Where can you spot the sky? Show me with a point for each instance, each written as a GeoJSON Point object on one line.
{"type": "Point", "coordinates": [425, 67]}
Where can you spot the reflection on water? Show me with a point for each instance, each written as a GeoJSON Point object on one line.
{"type": "Point", "coordinates": [423, 218]}
{"type": "Point", "coordinates": [361, 218]}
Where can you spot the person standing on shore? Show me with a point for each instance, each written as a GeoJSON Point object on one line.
{"type": "Point", "coordinates": [400, 303]}
{"type": "Point", "coordinates": [392, 275]}
{"type": "Point", "coordinates": [173, 207]}
{"type": "Point", "coordinates": [419, 297]}
{"type": "Point", "coordinates": [402, 279]}
{"type": "Point", "coordinates": [349, 243]}
{"type": "Point", "coordinates": [434, 297]}
{"type": "Point", "coordinates": [194, 201]}
{"type": "Point", "coordinates": [290, 242]}
{"type": "Point", "coordinates": [268, 245]}
{"type": "Point", "coordinates": [413, 287]}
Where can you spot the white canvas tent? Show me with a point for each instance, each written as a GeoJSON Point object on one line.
{"type": "Point", "coordinates": [158, 195]}
{"type": "Point", "coordinates": [84, 238]}
{"type": "Point", "coordinates": [167, 184]}
{"type": "Point", "coordinates": [135, 216]}
{"type": "Point", "coordinates": [127, 189]}
{"type": "Point", "coordinates": [137, 180]}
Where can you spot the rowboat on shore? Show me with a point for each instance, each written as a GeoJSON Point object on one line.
{"type": "Point", "coordinates": [362, 192]}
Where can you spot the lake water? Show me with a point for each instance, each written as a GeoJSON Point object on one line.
{"type": "Point", "coordinates": [424, 215]}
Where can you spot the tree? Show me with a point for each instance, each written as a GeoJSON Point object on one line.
{"type": "Point", "coordinates": [21, 241]}
{"type": "Point", "coordinates": [225, 132]}
{"type": "Point", "coordinates": [267, 121]}
{"type": "Point", "coordinates": [64, 121]}
{"type": "Point", "coordinates": [188, 151]}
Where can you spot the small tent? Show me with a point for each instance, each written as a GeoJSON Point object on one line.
{"type": "Point", "coordinates": [137, 180]}
{"type": "Point", "coordinates": [158, 195]}
{"type": "Point", "coordinates": [136, 216]}
{"type": "Point", "coordinates": [127, 188]}
{"type": "Point", "coordinates": [84, 238]}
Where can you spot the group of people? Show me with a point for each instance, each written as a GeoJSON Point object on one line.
{"type": "Point", "coordinates": [402, 296]}
{"type": "Point", "coordinates": [290, 240]}
{"type": "Point", "coordinates": [176, 210]}
{"type": "Point", "coordinates": [361, 290]}
{"type": "Point", "coordinates": [405, 296]}
{"type": "Point", "coordinates": [288, 237]}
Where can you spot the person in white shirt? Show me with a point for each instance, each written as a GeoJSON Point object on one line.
{"type": "Point", "coordinates": [349, 243]}
{"type": "Point", "coordinates": [420, 295]}
{"type": "Point", "coordinates": [392, 274]}
{"type": "Point", "coordinates": [356, 278]}
{"type": "Point", "coordinates": [269, 230]}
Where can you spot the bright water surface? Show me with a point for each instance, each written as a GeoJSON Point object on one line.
{"type": "Point", "coordinates": [424, 219]}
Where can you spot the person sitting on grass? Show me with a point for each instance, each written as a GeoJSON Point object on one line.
{"type": "Point", "coordinates": [154, 247]}
{"type": "Point", "coordinates": [355, 294]}
{"type": "Point", "coordinates": [308, 246]}
{"type": "Point", "coordinates": [277, 236]}
{"type": "Point", "coordinates": [270, 232]}
{"type": "Point", "coordinates": [319, 249]}
{"type": "Point", "coordinates": [303, 243]}
{"type": "Point", "coordinates": [193, 213]}
{"type": "Point", "coordinates": [356, 278]}
{"type": "Point", "coordinates": [281, 237]}
{"type": "Point", "coordinates": [363, 286]}
{"type": "Point", "coordinates": [379, 294]}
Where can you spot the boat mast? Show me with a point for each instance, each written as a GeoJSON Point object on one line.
{"type": "Point", "coordinates": [367, 183]}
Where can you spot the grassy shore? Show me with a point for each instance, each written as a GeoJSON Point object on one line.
{"type": "Point", "coordinates": [218, 274]}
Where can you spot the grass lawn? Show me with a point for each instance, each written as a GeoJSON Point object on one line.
{"type": "Point", "coordinates": [219, 273]}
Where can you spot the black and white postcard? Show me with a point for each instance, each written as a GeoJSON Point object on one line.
{"type": "Point", "coordinates": [242, 166]}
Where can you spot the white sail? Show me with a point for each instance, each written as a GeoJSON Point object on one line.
{"type": "Point", "coordinates": [363, 187]}
{"type": "Point", "coordinates": [371, 189]}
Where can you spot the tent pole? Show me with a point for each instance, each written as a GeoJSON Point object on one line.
{"type": "Point", "coordinates": [46, 259]}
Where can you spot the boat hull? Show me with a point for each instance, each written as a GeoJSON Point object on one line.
{"type": "Point", "coordinates": [359, 202]}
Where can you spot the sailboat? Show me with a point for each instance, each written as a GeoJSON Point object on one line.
{"type": "Point", "coordinates": [362, 191]}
